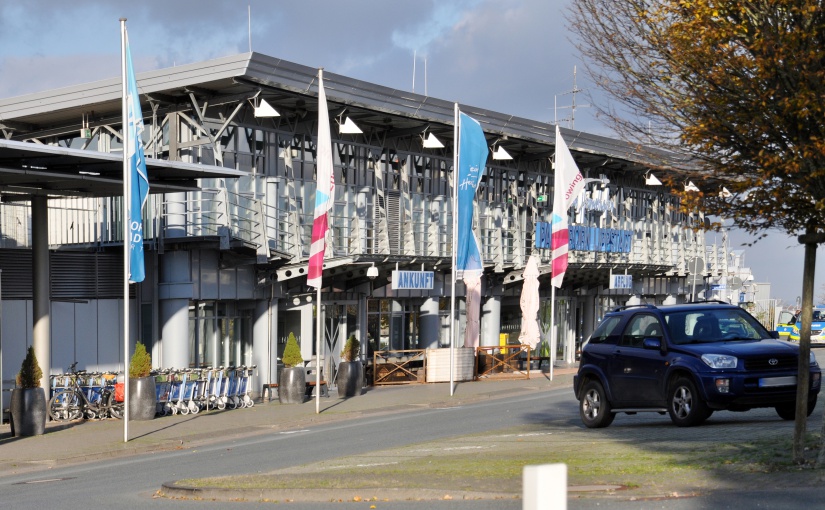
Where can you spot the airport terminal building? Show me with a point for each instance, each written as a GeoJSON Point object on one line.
{"type": "Point", "coordinates": [227, 251]}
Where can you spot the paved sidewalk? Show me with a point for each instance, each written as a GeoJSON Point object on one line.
{"type": "Point", "coordinates": [81, 441]}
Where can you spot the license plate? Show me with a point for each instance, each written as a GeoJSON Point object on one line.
{"type": "Point", "coordinates": [771, 382]}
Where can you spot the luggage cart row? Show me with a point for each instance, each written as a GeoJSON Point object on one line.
{"type": "Point", "coordinates": [193, 390]}
{"type": "Point", "coordinates": [77, 394]}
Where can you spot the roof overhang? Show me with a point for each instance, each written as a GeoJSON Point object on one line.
{"type": "Point", "coordinates": [34, 169]}
{"type": "Point", "coordinates": [292, 88]}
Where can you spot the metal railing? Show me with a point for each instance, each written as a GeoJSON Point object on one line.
{"type": "Point", "coordinates": [272, 229]}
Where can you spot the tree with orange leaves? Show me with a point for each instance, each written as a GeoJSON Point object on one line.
{"type": "Point", "coordinates": [735, 92]}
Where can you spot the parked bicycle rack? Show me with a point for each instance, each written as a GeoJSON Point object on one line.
{"type": "Point", "coordinates": [79, 394]}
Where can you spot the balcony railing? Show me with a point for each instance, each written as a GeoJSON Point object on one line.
{"type": "Point", "coordinates": [277, 231]}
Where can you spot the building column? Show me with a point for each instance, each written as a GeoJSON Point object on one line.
{"type": "Point", "coordinates": [175, 333]}
{"type": "Point", "coordinates": [175, 215]}
{"type": "Point", "coordinates": [490, 322]}
{"type": "Point", "coordinates": [430, 324]}
{"type": "Point", "coordinates": [588, 317]}
{"type": "Point", "coordinates": [363, 334]}
{"type": "Point", "coordinates": [307, 339]}
{"type": "Point", "coordinates": [41, 304]}
{"type": "Point", "coordinates": [174, 292]}
{"type": "Point", "coordinates": [264, 343]}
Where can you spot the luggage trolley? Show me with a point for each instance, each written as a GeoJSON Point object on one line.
{"type": "Point", "coordinates": [186, 394]}
{"type": "Point", "coordinates": [217, 388]}
{"type": "Point", "coordinates": [244, 388]}
{"type": "Point", "coordinates": [232, 387]}
{"type": "Point", "coordinates": [163, 391]}
{"type": "Point", "coordinates": [213, 388]}
{"type": "Point", "coordinates": [200, 391]}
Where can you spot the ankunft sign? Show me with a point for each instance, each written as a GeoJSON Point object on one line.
{"type": "Point", "coordinates": [422, 280]}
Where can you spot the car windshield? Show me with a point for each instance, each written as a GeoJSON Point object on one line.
{"type": "Point", "coordinates": [713, 325]}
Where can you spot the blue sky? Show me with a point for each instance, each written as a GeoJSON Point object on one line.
{"type": "Point", "coordinates": [511, 56]}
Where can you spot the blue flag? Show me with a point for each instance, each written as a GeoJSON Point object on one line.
{"type": "Point", "coordinates": [472, 158]}
{"type": "Point", "coordinates": [139, 182]}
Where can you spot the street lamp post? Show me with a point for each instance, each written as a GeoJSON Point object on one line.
{"type": "Point", "coordinates": [372, 274]}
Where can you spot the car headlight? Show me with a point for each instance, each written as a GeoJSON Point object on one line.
{"type": "Point", "coordinates": [720, 360]}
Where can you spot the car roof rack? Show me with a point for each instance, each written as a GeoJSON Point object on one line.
{"type": "Point", "coordinates": [704, 302]}
{"type": "Point", "coordinates": [625, 307]}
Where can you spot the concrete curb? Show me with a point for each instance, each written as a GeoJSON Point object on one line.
{"type": "Point", "coordinates": [173, 491]}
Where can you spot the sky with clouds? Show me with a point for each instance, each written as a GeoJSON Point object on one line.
{"type": "Point", "coordinates": [510, 56]}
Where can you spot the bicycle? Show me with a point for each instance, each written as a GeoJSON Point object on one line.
{"type": "Point", "coordinates": [72, 402]}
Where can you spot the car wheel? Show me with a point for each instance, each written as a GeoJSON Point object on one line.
{"type": "Point", "coordinates": [685, 406]}
{"type": "Point", "coordinates": [594, 407]}
{"type": "Point", "coordinates": [788, 411]}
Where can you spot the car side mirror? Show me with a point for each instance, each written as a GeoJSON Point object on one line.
{"type": "Point", "coordinates": [775, 335]}
{"type": "Point", "coordinates": [652, 343]}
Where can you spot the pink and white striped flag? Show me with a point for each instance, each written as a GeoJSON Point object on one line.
{"type": "Point", "coordinates": [324, 190]}
{"type": "Point", "coordinates": [569, 182]}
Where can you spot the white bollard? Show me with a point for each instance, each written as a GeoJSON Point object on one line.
{"type": "Point", "coordinates": [544, 487]}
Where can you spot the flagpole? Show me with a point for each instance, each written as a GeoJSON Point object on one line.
{"type": "Point", "coordinates": [453, 243]}
{"type": "Point", "coordinates": [324, 195]}
{"type": "Point", "coordinates": [318, 335]}
{"type": "Point", "coordinates": [318, 323]}
{"type": "Point", "coordinates": [126, 216]}
{"type": "Point", "coordinates": [552, 286]}
{"type": "Point", "coordinates": [568, 182]}
{"type": "Point", "coordinates": [552, 323]}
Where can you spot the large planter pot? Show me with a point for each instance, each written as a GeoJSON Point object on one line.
{"type": "Point", "coordinates": [28, 411]}
{"type": "Point", "coordinates": [292, 385]}
{"type": "Point", "coordinates": [142, 398]}
{"type": "Point", "coordinates": [350, 379]}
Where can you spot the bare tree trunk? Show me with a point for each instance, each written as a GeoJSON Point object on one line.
{"type": "Point", "coordinates": [808, 273]}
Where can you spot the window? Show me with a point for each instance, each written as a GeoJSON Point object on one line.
{"type": "Point", "coordinates": [640, 327]}
{"type": "Point", "coordinates": [713, 326]}
{"type": "Point", "coordinates": [606, 328]}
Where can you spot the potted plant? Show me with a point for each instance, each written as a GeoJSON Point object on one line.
{"type": "Point", "coordinates": [28, 399]}
{"type": "Point", "coordinates": [142, 390]}
{"type": "Point", "coordinates": [350, 378]}
{"type": "Point", "coordinates": [292, 379]}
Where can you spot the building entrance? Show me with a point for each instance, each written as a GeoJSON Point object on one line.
{"type": "Point", "coordinates": [392, 325]}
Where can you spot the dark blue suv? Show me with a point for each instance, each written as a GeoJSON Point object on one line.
{"type": "Point", "coordinates": [688, 361]}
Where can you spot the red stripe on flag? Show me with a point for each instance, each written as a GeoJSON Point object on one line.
{"type": "Point", "coordinates": [560, 238]}
{"type": "Point", "coordinates": [559, 265]}
{"type": "Point", "coordinates": [316, 260]}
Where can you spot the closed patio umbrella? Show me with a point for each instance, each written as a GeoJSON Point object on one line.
{"type": "Point", "coordinates": [472, 282]}
{"type": "Point", "coordinates": [530, 333]}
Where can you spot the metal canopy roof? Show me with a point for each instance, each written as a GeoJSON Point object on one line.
{"type": "Point", "coordinates": [34, 169]}
{"type": "Point", "coordinates": [292, 89]}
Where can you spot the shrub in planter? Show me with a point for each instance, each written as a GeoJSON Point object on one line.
{"type": "Point", "coordinates": [28, 400]}
{"type": "Point", "coordinates": [142, 390]}
{"type": "Point", "coordinates": [292, 379]}
{"type": "Point", "coordinates": [350, 378]}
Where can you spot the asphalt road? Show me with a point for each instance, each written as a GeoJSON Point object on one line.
{"type": "Point", "coordinates": [130, 482]}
